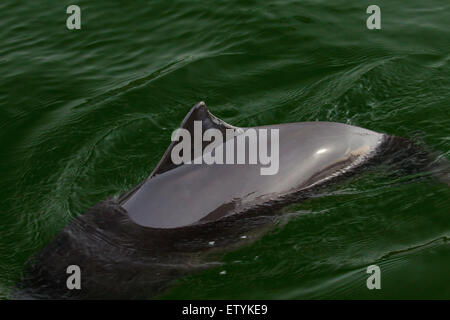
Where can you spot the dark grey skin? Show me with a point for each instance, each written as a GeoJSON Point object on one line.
{"type": "Point", "coordinates": [137, 245]}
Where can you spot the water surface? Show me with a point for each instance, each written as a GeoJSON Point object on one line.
{"type": "Point", "coordinates": [86, 114]}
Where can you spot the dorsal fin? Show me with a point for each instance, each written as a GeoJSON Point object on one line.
{"type": "Point", "coordinates": [199, 112]}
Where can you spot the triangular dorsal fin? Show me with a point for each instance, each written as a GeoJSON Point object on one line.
{"type": "Point", "coordinates": [199, 112]}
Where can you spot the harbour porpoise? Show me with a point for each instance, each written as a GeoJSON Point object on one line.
{"type": "Point", "coordinates": [136, 245]}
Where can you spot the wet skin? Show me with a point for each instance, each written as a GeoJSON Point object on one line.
{"type": "Point", "coordinates": [308, 153]}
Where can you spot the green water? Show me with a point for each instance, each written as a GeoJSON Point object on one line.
{"type": "Point", "coordinates": [88, 113]}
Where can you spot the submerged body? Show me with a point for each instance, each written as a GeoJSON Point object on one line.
{"type": "Point", "coordinates": [134, 246]}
